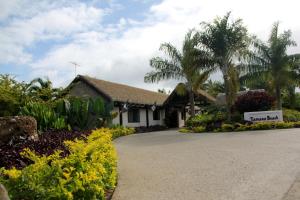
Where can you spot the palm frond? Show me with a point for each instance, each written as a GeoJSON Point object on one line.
{"type": "Point", "coordinates": [164, 69]}
{"type": "Point", "coordinates": [171, 51]}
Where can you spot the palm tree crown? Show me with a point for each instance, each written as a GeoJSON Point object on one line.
{"type": "Point", "coordinates": [226, 43]}
{"type": "Point", "coordinates": [184, 66]}
{"type": "Point", "coordinates": [270, 62]}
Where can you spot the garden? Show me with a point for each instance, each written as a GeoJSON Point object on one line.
{"type": "Point", "coordinates": [214, 118]}
{"type": "Point", "coordinates": [71, 155]}
{"type": "Point", "coordinates": [256, 75]}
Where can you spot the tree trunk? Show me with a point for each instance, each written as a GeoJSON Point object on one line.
{"type": "Point", "coordinates": [192, 102]}
{"type": "Point", "coordinates": [228, 99]}
{"type": "Point", "coordinates": [278, 97]}
{"type": "Point", "coordinates": [292, 96]}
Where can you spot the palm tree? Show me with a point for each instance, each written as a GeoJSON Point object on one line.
{"type": "Point", "coordinates": [187, 66]}
{"type": "Point", "coordinates": [214, 87]}
{"type": "Point", "coordinates": [270, 62]}
{"type": "Point", "coordinates": [226, 42]}
{"type": "Point", "coordinates": [42, 89]}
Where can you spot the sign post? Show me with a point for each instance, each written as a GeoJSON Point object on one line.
{"type": "Point", "coordinates": [264, 116]}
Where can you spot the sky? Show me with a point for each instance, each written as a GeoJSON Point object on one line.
{"type": "Point", "coordinates": [115, 39]}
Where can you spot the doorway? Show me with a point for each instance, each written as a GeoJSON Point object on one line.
{"type": "Point", "coordinates": [172, 119]}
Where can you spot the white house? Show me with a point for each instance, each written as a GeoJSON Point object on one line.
{"type": "Point", "coordinates": [137, 107]}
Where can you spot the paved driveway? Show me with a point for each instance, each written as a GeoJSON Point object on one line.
{"type": "Point", "coordinates": [260, 165]}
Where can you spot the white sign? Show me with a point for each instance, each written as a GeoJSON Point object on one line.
{"type": "Point", "coordinates": [264, 116]}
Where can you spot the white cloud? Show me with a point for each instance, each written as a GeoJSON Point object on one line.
{"type": "Point", "coordinates": [58, 24]}
{"type": "Point", "coordinates": [121, 52]}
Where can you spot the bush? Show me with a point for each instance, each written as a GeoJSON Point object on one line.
{"type": "Point", "coordinates": [200, 120]}
{"type": "Point", "coordinates": [12, 95]}
{"type": "Point", "coordinates": [282, 125]}
{"type": "Point", "coordinates": [119, 131]}
{"type": "Point", "coordinates": [261, 126]}
{"type": "Point", "coordinates": [184, 130]}
{"type": "Point", "coordinates": [46, 145]}
{"type": "Point", "coordinates": [241, 127]}
{"type": "Point", "coordinates": [291, 115]}
{"type": "Point", "coordinates": [199, 129]}
{"type": "Point", "coordinates": [297, 124]}
{"type": "Point", "coordinates": [227, 127]}
{"type": "Point", "coordinates": [86, 173]}
{"type": "Point", "coordinates": [254, 101]}
{"type": "Point", "coordinates": [84, 113]}
{"type": "Point", "coordinates": [45, 116]}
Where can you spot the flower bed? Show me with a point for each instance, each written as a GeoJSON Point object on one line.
{"type": "Point", "coordinates": [62, 165]}
{"type": "Point", "coordinates": [46, 145]}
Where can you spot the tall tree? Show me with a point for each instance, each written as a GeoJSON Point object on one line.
{"type": "Point", "coordinates": [270, 62]}
{"type": "Point", "coordinates": [12, 95]}
{"type": "Point", "coordinates": [42, 89]}
{"type": "Point", "coordinates": [226, 42]}
{"type": "Point", "coordinates": [187, 66]}
{"type": "Point", "coordinates": [214, 87]}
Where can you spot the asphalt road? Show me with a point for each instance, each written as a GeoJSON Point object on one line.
{"type": "Point", "coordinates": [167, 165]}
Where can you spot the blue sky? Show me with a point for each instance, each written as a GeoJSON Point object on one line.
{"type": "Point", "coordinates": [114, 39]}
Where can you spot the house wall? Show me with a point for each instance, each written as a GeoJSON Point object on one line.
{"type": "Point", "coordinates": [143, 118]}
{"type": "Point", "coordinates": [117, 119]}
{"type": "Point", "coordinates": [181, 122]}
{"type": "Point", "coordinates": [81, 89]}
{"type": "Point", "coordinates": [156, 122]}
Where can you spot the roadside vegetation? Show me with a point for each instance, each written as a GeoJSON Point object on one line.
{"type": "Point", "coordinates": [67, 166]}
{"type": "Point", "coordinates": [263, 68]}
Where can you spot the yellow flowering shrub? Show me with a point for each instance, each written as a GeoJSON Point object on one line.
{"type": "Point", "coordinates": [119, 131]}
{"type": "Point", "coordinates": [86, 173]}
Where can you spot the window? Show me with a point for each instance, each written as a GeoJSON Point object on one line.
{"type": "Point", "coordinates": [133, 115]}
{"type": "Point", "coordinates": [156, 114]}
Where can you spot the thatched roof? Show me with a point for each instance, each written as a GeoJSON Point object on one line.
{"type": "Point", "coordinates": [123, 93]}
{"type": "Point", "coordinates": [199, 95]}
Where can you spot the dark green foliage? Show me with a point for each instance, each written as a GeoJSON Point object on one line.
{"type": "Point", "coordinates": [189, 64]}
{"type": "Point", "coordinates": [45, 116]}
{"type": "Point", "coordinates": [225, 42]}
{"type": "Point", "coordinates": [291, 115]}
{"type": "Point", "coordinates": [210, 120]}
{"type": "Point", "coordinates": [84, 113]}
{"type": "Point", "coordinates": [12, 95]}
{"type": "Point", "coordinates": [270, 65]}
{"type": "Point", "coordinates": [254, 101]}
{"type": "Point", "coordinates": [214, 87]}
{"type": "Point", "coordinates": [42, 90]}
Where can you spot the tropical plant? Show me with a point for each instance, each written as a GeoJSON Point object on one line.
{"type": "Point", "coordinates": [187, 66]}
{"type": "Point", "coordinates": [84, 113]}
{"type": "Point", "coordinates": [254, 101]}
{"type": "Point", "coordinates": [225, 42]}
{"type": "Point", "coordinates": [12, 95]}
{"type": "Point", "coordinates": [214, 87]}
{"type": "Point", "coordinates": [271, 63]}
{"type": "Point", "coordinates": [42, 89]}
{"type": "Point", "coordinates": [45, 116]}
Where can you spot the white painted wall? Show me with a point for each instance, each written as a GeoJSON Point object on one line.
{"type": "Point", "coordinates": [143, 119]}
{"type": "Point", "coordinates": [117, 119]}
{"type": "Point", "coordinates": [142, 122]}
{"type": "Point", "coordinates": [156, 122]}
{"type": "Point", "coordinates": [180, 120]}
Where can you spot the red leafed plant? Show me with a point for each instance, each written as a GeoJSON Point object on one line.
{"type": "Point", "coordinates": [254, 101]}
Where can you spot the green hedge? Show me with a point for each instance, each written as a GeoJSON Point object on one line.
{"type": "Point", "coordinates": [290, 115]}
{"type": "Point", "coordinates": [245, 127]}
